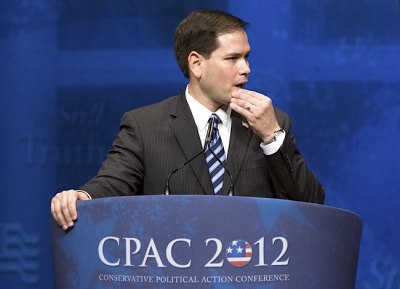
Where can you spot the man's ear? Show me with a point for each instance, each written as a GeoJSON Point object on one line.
{"type": "Point", "coordinates": [196, 64]}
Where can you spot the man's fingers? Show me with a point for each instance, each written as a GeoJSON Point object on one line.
{"type": "Point", "coordinates": [240, 109]}
{"type": "Point", "coordinates": [71, 204]}
{"type": "Point", "coordinates": [63, 208]}
{"type": "Point", "coordinates": [248, 95]}
{"type": "Point", "coordinates": [57, 211]}
{"type": "Point", "coordinates": [251, 101]}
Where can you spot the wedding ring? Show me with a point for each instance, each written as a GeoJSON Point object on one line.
{"type": "Point", "coordinates": [249, 105]}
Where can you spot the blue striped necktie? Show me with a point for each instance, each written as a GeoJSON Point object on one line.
{"type": "Point", "coordinates": [215, 168]}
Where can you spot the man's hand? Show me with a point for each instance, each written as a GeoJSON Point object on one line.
{"type": "Point", "coordinates": [258, 110]}
{"type": "Point", "coordinates": [63, 207]}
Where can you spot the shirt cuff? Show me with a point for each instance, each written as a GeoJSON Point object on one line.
{"type": "Point", "coordinates": [270, 149]}
{"type": "Point", "coordinates": [86, 193]}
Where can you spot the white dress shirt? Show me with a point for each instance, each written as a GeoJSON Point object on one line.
{"type": "Point", "coordinates": [201, 115]}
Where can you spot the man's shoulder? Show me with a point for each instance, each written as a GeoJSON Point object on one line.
{"type": "Point", "coordinates": [160, 105]}
{"type": "Point", "coordinates": [164, 105]}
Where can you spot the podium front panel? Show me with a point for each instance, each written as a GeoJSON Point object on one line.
{"type": "Point", "coordinates": [206, 242]}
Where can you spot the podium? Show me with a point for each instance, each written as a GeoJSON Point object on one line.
{"type": "Point", "coordinates": [206, 242]}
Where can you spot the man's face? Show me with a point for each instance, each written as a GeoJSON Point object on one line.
{"type": "Point", "coordinates": [227, 68]}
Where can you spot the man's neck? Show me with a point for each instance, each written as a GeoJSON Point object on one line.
{"type": "Point", "coordinates": [198, 95]}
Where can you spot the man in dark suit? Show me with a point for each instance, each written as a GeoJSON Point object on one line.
{"type": "Point", "coordinates": [258, 149]}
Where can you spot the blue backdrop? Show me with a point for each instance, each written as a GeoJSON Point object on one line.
{"type": "Point", "coordinates": [69, 69]}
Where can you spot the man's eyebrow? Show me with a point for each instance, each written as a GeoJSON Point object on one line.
{"type": "Point", "coordinates": [235, 54]}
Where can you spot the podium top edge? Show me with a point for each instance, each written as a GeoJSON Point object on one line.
{"type": "Point", "coordinates": [176, 198]}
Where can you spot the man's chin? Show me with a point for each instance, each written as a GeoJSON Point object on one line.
{"type": "Point", "coordinates": [236, 88]}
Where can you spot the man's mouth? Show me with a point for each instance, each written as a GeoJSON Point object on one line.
{"type": "Point", "coordinates": [241, 84]}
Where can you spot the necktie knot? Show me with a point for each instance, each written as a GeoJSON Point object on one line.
{"type": "Point", "coordinates": [216, 119]}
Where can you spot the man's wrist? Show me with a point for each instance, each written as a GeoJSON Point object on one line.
{"type": "Point", "coordinates": [274, 137]}
{"type": "Point", "coordinates": [274, 145]}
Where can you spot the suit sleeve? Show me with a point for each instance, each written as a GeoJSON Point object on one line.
{"type": "Point", "coordinates": [122, 172]}
{"type": "Point", "coordinates": [290, 176]}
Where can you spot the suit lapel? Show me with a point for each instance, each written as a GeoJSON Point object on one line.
{"type": "Point", "coordinates": [187, 136]}
{"type": "Point", "coordinates": [238, 144]}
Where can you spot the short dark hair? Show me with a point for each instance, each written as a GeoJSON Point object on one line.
{"type": "Point", "coordinates": [199, 31]}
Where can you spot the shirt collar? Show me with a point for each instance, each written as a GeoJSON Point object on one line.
{"type": "Point", "coordinates": [201, 114]}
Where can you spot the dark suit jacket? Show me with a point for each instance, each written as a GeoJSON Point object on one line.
{"type": "Point", "coordinates": [156, 139]}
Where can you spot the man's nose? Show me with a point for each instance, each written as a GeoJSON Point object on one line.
{"type": "Point", "coordinates": [245, 67]}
